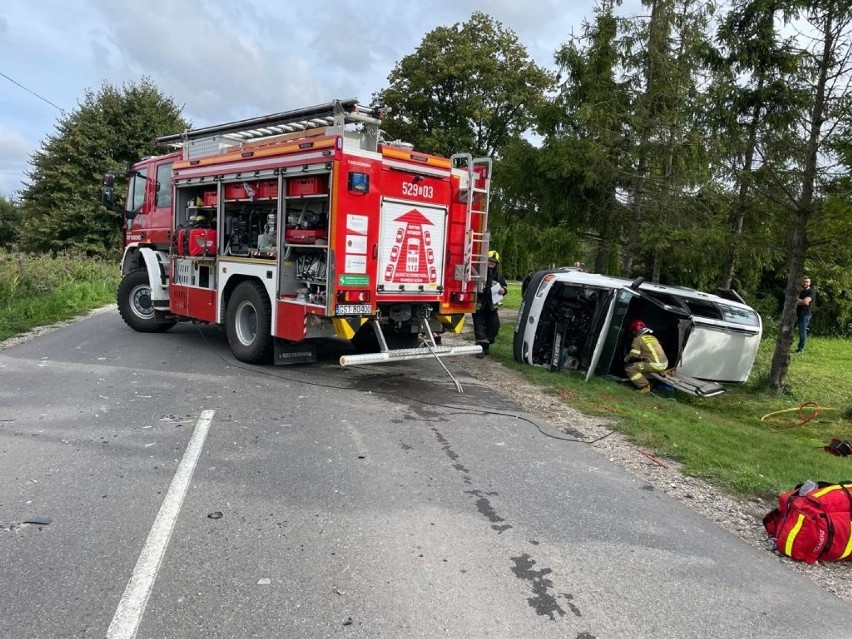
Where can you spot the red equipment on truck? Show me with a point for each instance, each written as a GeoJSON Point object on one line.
{"type": "Point", "coordinates": [301, 225]}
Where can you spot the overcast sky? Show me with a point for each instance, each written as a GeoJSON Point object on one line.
{"type": "Point", "coordinates": [228, 59]}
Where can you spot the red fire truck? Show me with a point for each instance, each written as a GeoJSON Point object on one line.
{"type": "Point", "coordinates": [302, 225]}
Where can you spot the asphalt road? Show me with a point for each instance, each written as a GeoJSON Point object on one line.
{"type": "Point", "coordinates": [183, 494]}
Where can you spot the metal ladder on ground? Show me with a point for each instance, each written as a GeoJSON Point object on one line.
{"type": "Point", "coordinates": [474, 268]}
{"type": "Point", "coordinates": [335, 115]}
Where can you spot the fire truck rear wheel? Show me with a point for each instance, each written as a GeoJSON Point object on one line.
{"type": "Point", "coordinates": [135, 305]}
{"type": "Point", "coordinates": [249, 324]}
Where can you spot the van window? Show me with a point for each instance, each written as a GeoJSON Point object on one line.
{"type": "Point", "coordinates": [743, 316]}
{"type": "Point", "coordinates": [700, 308]}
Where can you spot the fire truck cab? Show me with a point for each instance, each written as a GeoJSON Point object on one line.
{"type": "Point", "coordinates": [302, 225]}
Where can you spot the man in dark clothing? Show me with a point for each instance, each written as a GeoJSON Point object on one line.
{"type": "Point", "coordinates": [526, 282]}
{"type": "Point", "coordinates": [486, 321]}
{"type": "Point", "coordinates": [804, 308]}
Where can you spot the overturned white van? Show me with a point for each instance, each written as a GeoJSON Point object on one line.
{"type": "Point", "coordinates": [573, 320]}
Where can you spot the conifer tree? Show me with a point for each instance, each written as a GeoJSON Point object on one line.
{"type": "Point", "coordinates": [60, 204]}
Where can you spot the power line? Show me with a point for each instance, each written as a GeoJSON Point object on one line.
{"type": "Point", "coordinates": [61, 110]}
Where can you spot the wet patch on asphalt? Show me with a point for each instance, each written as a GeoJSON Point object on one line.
{"type": "Point", "coordinates": [544, 600]}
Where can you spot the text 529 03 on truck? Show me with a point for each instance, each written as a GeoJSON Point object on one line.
{"type": "Point", "coordinates": [302, 225]}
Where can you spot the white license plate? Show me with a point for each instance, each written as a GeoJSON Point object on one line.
{"type": "Point", "coordinates": [353, 309]}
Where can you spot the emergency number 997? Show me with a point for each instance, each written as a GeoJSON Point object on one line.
{"type": "Point", "coordinates": [420, 190]}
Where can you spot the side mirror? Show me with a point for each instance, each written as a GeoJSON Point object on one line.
{"type": "Point", "coordinates": [108, 195]}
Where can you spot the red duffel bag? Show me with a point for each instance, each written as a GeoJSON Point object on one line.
{"type": "Point", "coordinates": [813, 522]}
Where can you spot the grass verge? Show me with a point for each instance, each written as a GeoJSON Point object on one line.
{"type": "Point", "coordinates": [41, 290]}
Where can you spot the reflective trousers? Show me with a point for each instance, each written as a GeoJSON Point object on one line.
{"type": "Point", "coordinates": [637, 370]}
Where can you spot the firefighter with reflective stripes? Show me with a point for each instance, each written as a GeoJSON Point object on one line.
{"type": "Point", "coordinates": [646, 356]}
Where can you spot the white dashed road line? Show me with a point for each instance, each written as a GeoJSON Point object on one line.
{"type": "Point", "coordinates": [128, 616]}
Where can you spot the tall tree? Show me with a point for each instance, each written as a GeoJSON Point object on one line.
{"type": "Point", "coordinates": [671, 161]}
{"type": "Point", "coordinates": [468, 87]}
{"type": "Point", "coordinates": [748, 94]}
{"type": "Point", "coordinates": [653, 64]}
{"type": "Point", "coordinates": [803, 158]}
{"type": "Point", "coordinates": [585, 127]}
{"type": "Point", "coordinates": [110, 129]}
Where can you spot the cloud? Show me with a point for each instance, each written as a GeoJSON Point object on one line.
{"type": "Point", "coordinates": [223, 60]}
{"type": "Point", "coordinates": [213, 66]}
{"type": "Point", "coordinates": [14, 151]}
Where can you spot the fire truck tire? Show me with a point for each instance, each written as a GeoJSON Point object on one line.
{"type": "Point", "coordinates": [135, 305]}
{"type": "Point", "coordinates": [249, 323]}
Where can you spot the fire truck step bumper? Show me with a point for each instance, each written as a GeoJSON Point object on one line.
{"type": "Point", "coordinates": [403, 354]}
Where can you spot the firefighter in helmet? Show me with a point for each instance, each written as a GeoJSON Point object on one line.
{"type": "Point", "coordinates": [646, 355]}
{"type": "Point", "coordinates": [486, 321]}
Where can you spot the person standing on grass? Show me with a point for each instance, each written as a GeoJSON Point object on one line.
{"type": "Point", "coordinates": [486, 321]}
{"type": "Point", "coordinates": [804, 309]}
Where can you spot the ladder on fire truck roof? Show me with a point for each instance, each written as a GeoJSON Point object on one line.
{"type": "Point", "coordinates": [335, 115]}
{"type": "Point", "coordinates": [477, 236]}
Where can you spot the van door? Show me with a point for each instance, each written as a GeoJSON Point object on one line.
{"type": "Point", "coordinates": [619, 299]}
{"type": "Point", "coordinates": [612, 341]}
{"type": "Point", "coordinates": [720, 350]}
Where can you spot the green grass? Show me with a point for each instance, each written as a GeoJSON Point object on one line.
{"type": "Point", "coordinates": [731, 440]}
{"type": "Point", "coordinates": [41, 290]}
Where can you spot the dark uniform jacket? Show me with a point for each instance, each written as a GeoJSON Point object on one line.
{"type": "Point", "coordinates": [484, 301]}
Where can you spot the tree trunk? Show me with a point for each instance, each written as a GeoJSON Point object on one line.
{"type": "Point", "coordinates": [804, 211]}
{"type": "Point", "coordinates": [781, 355]}
{"type": "Point", "coordinates": [735, 237]}
{"type": "Point", "coordinates": [636, 215]}
{"type": "Point", "coordinates": [609, 236]}
{"type": "Point", "coordinates": [659, 33]}
{"type": "Point", "coordinates": [658, 265]}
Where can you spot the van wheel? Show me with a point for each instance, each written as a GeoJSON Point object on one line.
{"type": "Point", "coordinates": [135, 305]}
{"type": "Point", "coordinates": [249, 323]}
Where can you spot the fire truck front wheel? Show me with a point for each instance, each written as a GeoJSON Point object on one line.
{"type": "Point", "coordinates": [249, 324]}
{"type": "Point", "coordinates": [135, 305]}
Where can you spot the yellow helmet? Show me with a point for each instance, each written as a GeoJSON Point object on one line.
{"type": "Point", "coordinates": [494, 255]}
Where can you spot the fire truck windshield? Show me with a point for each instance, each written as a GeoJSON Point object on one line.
{"type": "Point", "coordinates": [136, 190]}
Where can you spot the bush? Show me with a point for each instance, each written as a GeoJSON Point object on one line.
{"type": "Point", "coordinates": [42, 289]}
